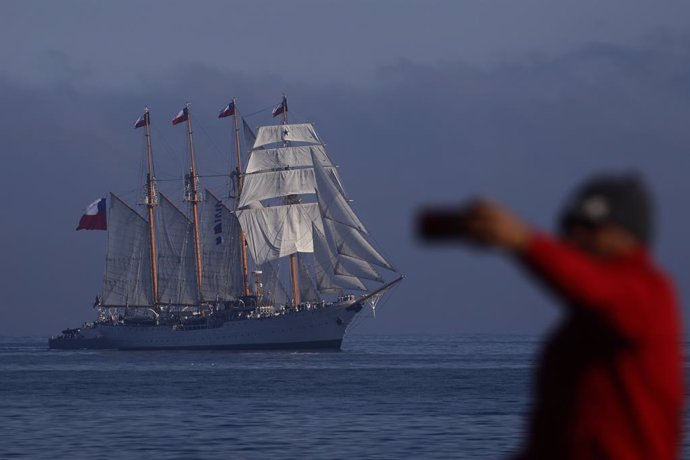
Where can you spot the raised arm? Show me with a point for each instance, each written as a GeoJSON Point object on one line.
{"type": "Point", "coordinates": [609, 288]}
{"type": "Point", "coordinates": [612, 289]}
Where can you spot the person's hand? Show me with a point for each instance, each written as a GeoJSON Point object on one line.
{"type": "Point", "coordinates": [486, 223]}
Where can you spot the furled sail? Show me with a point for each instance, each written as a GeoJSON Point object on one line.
{"type": "Point", "coordinates": [303, 132]}
{"type": "Point", "coordinates": [278, 231]}
{"type": "Point", "coordinates": [284, 171]}
{"type": "Point", "coordinates": [274, 184]}
{"type": "Point", "coordinates": [287, 157]}
{"type": "Point", "coordinates": [221, 274]}
{"type": "Point", "coordinates": [127, 279]}
{"type": "Point", "coordinates": [177, 280]}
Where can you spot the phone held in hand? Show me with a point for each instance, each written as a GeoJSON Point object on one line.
{"type": "Point", "coordinates": [441, 223]}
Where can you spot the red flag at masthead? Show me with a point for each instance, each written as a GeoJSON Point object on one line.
{"type": "Point", "coordinates": [182, 115]}
{"type": "Point", "coordinates": [228, 110]}
{"type": "Point", "coordinates": [94, 217]}
{"type": "Point", "coordinates": [142, 120]}
{"type": "Point", "coordinates": [280, 108]}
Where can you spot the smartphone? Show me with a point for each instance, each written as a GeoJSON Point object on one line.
{"type": "Point", "coordinates": [437, 224]}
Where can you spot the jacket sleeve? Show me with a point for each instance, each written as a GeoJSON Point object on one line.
{"type": "Point", "coordinates": [587, 283]}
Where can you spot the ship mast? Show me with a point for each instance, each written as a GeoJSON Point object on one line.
{"type": "Point", "coordinates": [289, 200]}
{"type": "Point", "coordinates": [243, 243]}
{"type": "Point", "coordinates": [193, 197]}
{"type": "Point", "coordinates": [151, 201]}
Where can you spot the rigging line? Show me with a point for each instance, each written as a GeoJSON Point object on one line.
{"type": "Point", "coordinates": [297, 115]}
{"type": "Point", "coordinates": [258, 111]}
{"type": "Point", "coordinates": [168, 179]}
{"type": "Point", "coordinates": [121, 193]}
{"type": "Point", "coordinates": [209, 142]}
{"type": "Point", "coordinates": [209, 139]}
{"type": "Point", "coordinates": [166, 145]}
{"type": "Point", "coordinates": [368, 238]}
{"type": "Point", "coordinates": [142, 167]}
{"type": "Point", "coordinates": [215, 175]}
{"type": "Point", "coordinates": [383, 301]}
{"type": "Point", "coordinates": [357, 322]}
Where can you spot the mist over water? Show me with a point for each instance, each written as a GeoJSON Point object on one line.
{"type": "Point", "coordinates": [403, 397]}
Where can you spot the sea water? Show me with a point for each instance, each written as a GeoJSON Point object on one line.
{"type": "Point", "coordinates": [381, 397]}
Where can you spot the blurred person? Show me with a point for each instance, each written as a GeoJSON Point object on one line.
{"type": "Point", "coordinates": [609, 384]}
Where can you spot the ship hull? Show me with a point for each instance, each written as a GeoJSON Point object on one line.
{"type": "Point", "coordinates": [320, 328]}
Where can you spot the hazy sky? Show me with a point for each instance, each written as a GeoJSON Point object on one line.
{"type": "Point", "coordinates": [419, 102]}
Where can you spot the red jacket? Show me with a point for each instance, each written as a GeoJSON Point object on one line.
{"type": "Point", "coordinates": [610, 381]}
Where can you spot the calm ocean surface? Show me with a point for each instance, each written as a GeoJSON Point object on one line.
{"type": "Point", "coordinates": [396, 397]}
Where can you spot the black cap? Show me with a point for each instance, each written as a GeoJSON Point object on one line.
{"type": "Point", "coordinates": [621, 199]}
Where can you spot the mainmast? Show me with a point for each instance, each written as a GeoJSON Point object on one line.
{"type": "Point", "coordinates": [291, 200]}
{"type": "Point", "coordinates": [193, 197]}
{"type": "Point", "coordinates": [240, 181]}
{"type": "Point", "coordinates": [151, 201]}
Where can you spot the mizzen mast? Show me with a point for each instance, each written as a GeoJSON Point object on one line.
{"type": "Point", "coordinates": [151, 202]}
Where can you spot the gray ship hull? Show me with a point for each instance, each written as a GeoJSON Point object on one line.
{"type": "Point", "coordinates": [319, 328]}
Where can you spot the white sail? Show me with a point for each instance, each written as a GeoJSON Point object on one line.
{"type": "Point", "coordinates": [222, 276]}
{"type": "Point", "coordinates": [307, 290]}
{"type": "Point", "coordinates": [273, 184]}
{"type": "Point", "coordinates": [279, 231]}
{"type": "Point", "coordinates": [350, 242]}
{"type": "Point", "coordinates": [327, 280]}
{"type": "Point", "coordinates": [273, 288]}
{"type": "Point", "coordinates": [287, 157]}
{"type": "Point", "coordinates": [346, 231]}
{"type": "Point", "coordinates": [127, 279]}
{"type": "Point", "coordinates": [303, 132]}
{"type": "Point", "coordinates": [344, 257]}
{"type": "Point", "coordinates": [249, 136]}
{"type": "Point", "coordinates": [331, 199]}
{"type": "Point", "coordinates": [177, 278]}
{"type": "Point", "coordinates": [351, 266]}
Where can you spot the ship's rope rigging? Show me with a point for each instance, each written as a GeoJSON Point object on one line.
{"type": "Point", "coordinates": [379, 304]}
{"type": "Point", "coordinates": [267, 108]}
{"type": "Point", "coordinates": [256, 112]}
{"type": "Point", "coordinates": [179, 155]}
{"type": "Point", "coordinates": [308, 198]}
{"type": "Point", "coordinates": [226, 155]}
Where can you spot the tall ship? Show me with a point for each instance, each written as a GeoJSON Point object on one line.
{"type": "Point", "coordinates": [281, 262]}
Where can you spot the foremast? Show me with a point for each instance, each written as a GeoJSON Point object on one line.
{"type": "Point", "coordinates": [294, 276]}
{"type": "Point", "coordinates": [315, 215]}
{"type": "Point", "coordinates": [151, 201]}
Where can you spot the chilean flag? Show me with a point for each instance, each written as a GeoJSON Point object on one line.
{"type": "Point", "coordinates": [182, 115]}
{"type": "Point", "coordinates": [280, 108]}
{"type": "Point", "coordinates": [227, 111]}
{"type": "Point", "coordinates": [94, 217]}
{"type": "Point", "coordinates": [142, 120]}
